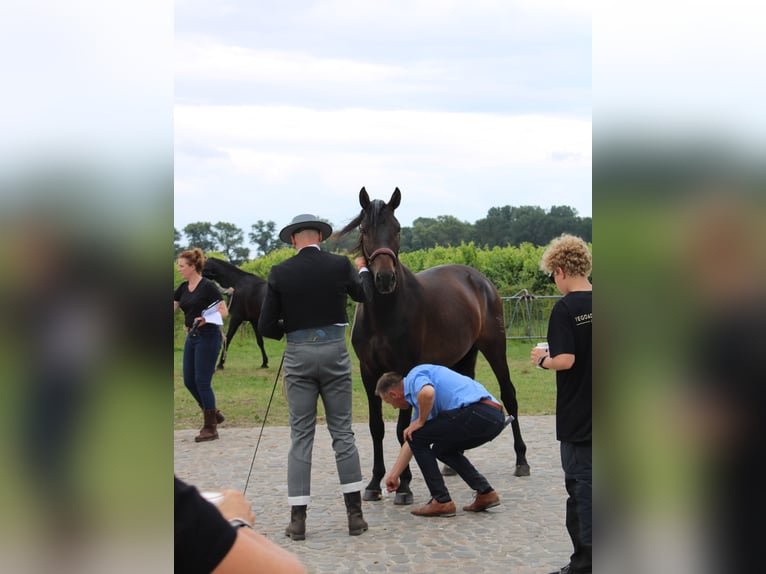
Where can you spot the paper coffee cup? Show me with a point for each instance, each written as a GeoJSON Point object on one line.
{"type": "Point", "coordinates": [212, 496]}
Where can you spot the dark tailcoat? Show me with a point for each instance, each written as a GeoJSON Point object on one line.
{"type": "Point", "coordinates": [309, 290]}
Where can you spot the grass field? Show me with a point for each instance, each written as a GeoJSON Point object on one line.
{"type": "Point", "coordinates": [243, 389]}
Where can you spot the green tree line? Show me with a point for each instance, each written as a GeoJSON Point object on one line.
{"type": "Point", "coordinates": [511, 269]}
{"type": "Point", "coordinates": [502, 227]}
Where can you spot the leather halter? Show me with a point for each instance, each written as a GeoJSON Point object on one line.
{"type": "Point", "coordinates": [380, 251]}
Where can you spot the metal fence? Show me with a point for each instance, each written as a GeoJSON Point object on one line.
{"type": "Point", "coordinates": [526, 315]}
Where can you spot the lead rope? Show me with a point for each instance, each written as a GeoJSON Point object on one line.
{"type": "Point", "coordinates": [260, 434]}
{"type": "Point", "coordinates": [225, 338]}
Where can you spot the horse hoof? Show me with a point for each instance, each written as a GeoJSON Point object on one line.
{"type": "Point", "coordinates": [521, 470]}
{"type": "Point", "coordinates": [448, 471]}
{"type": "Point", "coordinates": [372, 494]}
{"type": "Point", "coordinates": [403, 498]}
{"type": "Point", "coordinates": [265, 366]}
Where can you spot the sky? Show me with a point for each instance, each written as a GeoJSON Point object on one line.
{"type": "Point", "coordinates": [292, 107]}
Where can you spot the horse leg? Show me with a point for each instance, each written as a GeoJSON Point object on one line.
{"type": "Point", "coordinates": [233, 326]}
{"type": "Point", "coordinates": [377, 431]}
{"type": "Point", "coordinates": [499, 366]}
{"type": "Point", "coordinates": [522, 466]}
{"type": "Point", "coordinates": [465, 366]}
{"type": "Point", "coordinates": [259, 340]}
{"type": "Point", "coordinates": [403, 493]}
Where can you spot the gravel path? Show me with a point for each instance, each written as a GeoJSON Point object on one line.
{"type": "Point", "coordinates": [524, 535]}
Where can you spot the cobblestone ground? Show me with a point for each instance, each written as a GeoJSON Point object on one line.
{"type": "Point", "coordinates": [524, 535]}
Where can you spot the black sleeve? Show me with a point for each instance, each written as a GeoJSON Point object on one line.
{"type": "Point", "coordinates": [269, 324]}
{"type": "Point", "coordinates": [202, 535]}
{"type": "Point", "coordinates": [360, 284]}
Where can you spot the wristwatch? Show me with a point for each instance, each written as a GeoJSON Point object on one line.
{"type": "Point", "coordinates": [238, 523]}
{"type": "Point", "coordinates": [541, 360]}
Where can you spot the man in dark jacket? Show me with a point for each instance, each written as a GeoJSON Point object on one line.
{"type": "Point", "coordinates": [306, 300]}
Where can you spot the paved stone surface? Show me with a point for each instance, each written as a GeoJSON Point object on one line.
{"type": "Point", "coordinates": [524, 535]}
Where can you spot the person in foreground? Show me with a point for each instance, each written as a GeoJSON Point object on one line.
{"type": "Point", "coordinates": [568, 261]}
{"type": "Point", "coordinates": [451, 413]}
{"type": "Point", "coordinates": [306, 300]}
{"type": "Point", "coordinates": [220, 539]}
{"type": "Point", "coordinates": [195, 297]}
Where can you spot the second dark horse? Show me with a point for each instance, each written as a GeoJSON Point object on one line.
{"type": "Point", "coordinates": [443, 315]}
{"type": "Point", "coordinates": [245, 304]}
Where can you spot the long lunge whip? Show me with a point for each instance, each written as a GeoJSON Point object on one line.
{"type": "Point", "coordinates": [260, 434]}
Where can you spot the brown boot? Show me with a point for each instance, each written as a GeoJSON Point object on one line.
{"type": "Point", "coordinates": [219, 418]}
{"type": "Point", "coordinates": [208, 432]}
{"type": "Point", "coordinates": [296, 530]}
{"type": "Point", "coordinates": [356, 522]}
{"type": "Point", "coordinates": [435, 508]}
{"type": "Point", "coordinates": [483, 501]}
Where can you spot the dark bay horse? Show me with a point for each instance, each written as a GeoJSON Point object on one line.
{"type": "Point", "coordinates": [245, 303]}
{"type": "Point", "coordinates": [443, 315]}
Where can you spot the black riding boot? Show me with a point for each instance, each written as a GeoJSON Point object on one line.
{"type": "Point", "coordinates": [356, 522]}
{"type": "Point", "coordinates": [296, 530]}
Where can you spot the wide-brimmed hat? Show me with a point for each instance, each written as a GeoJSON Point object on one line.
{"type": "Point", "coordinates": [305, 221]}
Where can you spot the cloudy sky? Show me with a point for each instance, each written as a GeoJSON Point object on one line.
{"type": "Point", "coordinates": [290, 107]}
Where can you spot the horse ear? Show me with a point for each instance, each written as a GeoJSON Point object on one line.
{"type": "Point", "coordinates": [396, 197]}
{"type": "Point", "coordinates": [364, 199]}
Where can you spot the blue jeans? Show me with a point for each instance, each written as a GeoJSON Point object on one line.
{"type": "Point", "coordinates": [446, 437]}
{"type": "Point", "coordinates": [577, 461]}
{"type": "Point", "coordinates": [200, 354]}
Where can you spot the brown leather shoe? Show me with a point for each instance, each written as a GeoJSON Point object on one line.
{"type": "Point", "coordinates": [435, 508]}
{"type": "Point", "coordinates": [483, 501]}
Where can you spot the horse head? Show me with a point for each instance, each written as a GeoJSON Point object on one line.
{"type": "Point", "coordinates": [219, 271]}
{"type": "Point", "coordinates": [209, 270]}
{"type": "Point", "coordinates": [379, 239]}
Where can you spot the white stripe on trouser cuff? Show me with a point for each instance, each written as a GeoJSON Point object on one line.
{"type": "Point", "coordinates": [351, 487]}
{"type": "Point", "coordinates": [298, 500]}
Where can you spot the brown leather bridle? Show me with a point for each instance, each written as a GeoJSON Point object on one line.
{"type": "Point", "coordinates": [380, 251]}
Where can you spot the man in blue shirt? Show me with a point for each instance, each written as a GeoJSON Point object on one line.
{"type": "Point", "coordinates": [451, 413]}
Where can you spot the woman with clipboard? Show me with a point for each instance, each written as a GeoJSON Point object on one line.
{"type": "Point", "coordinates": [204, 312]}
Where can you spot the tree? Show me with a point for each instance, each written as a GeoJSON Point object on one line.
{"type": "Point", "coordinates": [529, 224]}
{"type": "Point", "coordinates": [264, 237]}
{"type": "Point", "coordinates": [444, 230]}
{"type": "Point", "coordinates": [229, 238]}
{"type": "Point", "coordinates": [176, 245]}
{"type": "Point", "coordinates": [495, 228]}
{"type": "Point", "coordinates": [200, 234]}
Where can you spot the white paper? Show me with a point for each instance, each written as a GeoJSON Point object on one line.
{"type": "Point", "coordinates": [212, 315]}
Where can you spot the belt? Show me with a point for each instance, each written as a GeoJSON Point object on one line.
{"type": "Point", "coordinates": [317, 334]}
{"type": "Point", "coordinates": [492, 404]}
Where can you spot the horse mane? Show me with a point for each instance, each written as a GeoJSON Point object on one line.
{"type": "Point", "coordinates": [229, 266]}
{"type": "Point", "coordinates": [370, 217]}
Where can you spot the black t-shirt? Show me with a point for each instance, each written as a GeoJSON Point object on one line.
{"type": "Point", "coordinates": [192, 303]}
{"type": "Point", "coordinates": [202, 535]}
{"type": "Point", "coordinates": [570, 332]}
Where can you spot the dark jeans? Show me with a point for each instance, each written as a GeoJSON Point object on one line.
{"type": "Point", "coordinates": [446, 437]}
{"type": "Point", "coordinates": [577, 461]}
{"type": "Point", "coordinates": [200, 354]}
